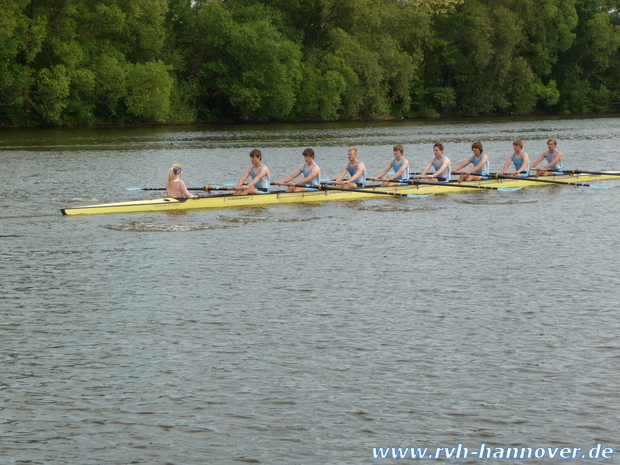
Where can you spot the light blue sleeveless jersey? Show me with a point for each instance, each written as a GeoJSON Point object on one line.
{"type": "Point", "coordinates": [557, 166]}
{"type": "Point", "coordinates": [518, 162]}
{"type": "Point", "coordinates": [264, 184]}
{"type": "Point", "coordinates": [437, 165]}
{"type": "Point", "coordinates": [404, 177]}
{"type": "Point", "coordinates": [484, 171]}
{"type": "Point", "coordinates": [315, 181]}
{"type": "Point", "coordinates": [361, 181]}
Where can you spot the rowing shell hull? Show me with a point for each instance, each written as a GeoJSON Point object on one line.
{"type": "Point", "coordinates": [227, 201]}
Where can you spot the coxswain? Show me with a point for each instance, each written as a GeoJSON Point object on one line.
{"type": "Point", "coordinates": [175, 187]}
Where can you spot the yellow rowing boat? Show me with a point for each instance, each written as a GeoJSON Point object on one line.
{"type": "Point", "coordinates": [327, 194]}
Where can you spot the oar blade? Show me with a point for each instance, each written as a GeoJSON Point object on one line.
{"type": "Point", "coordinates": [509, 189]}
{"type": "Point", "coordinates": [418, 196]}
{"type": "Point", "coordinates": [600, 186]}
{"type": "Point", "coordinates": [134, 188]}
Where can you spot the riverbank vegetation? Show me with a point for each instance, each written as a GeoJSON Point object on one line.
{"type": "Point", "coordinates": [84, 62]}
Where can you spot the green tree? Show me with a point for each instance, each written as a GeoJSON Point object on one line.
{"type": "Point", "coordinates": [76, 62]}
{"type": "Point", "coordinates": [379, 47]}
{"type": "Point", "coordinates": [588, 74]}
{"type": "Point", "coordinates": [249, 70]}
{"type": "Point", "coordinates": [497, 55]}
{"type": "Point", "coordinates": [16, 45]}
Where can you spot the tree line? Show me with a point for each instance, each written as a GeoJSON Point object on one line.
{"type": "Point", "coordinates": [86, 62]}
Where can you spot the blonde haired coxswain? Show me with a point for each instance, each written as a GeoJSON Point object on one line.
{"type": "Point", "coordinates": [176, 188]}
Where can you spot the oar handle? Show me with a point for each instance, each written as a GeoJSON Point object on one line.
{"type": "Point", "coordinates": [225, 188]}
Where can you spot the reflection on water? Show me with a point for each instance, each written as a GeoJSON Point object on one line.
{"type": "Point", "coordinates": [303, 334]}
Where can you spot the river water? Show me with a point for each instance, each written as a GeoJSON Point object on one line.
{"type": "Point", "coordinates": [304, 334]}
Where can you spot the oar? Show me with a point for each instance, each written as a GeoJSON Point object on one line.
{"type": "Point", "coordinates": [394, 194]}
{"type": "Point", "coordinates": [616, 173]}
{"type": "Point", "coordinates": [284, 184]}
{"type": "Point", "coordinates": [468, 186]}
{"type": "Point", "coordinates": [204, 188]}
{"type": "Point", "coordinates": [582, 184]}
{"type": "Point", "coordinates": [135, 188]}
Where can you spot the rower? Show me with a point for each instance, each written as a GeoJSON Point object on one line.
{"type": "Point", "coordinates": [554, 160]}
{"type": "Point", "coordinates": [480, 162]}
{"type": "Point", "coordinates": [175, 188]}
{"type": "Point", "coordinates": [440, 163]}
{"type": "Point", "coordinates": [399, 165]}
{"type": "Point", "coordinates": [356, 170]}
{"type": "Point", "coordinates": [520, 159]}
{"type": "Point", "coordinates": [261, 178]}
{"type": "Point", "coordinates": [311, 172]}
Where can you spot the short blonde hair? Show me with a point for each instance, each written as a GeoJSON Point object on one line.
{"type": "Point", "coordinates": [518, 142]}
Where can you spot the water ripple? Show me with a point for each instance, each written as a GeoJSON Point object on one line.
{"type": "Point", "coordinates": [153, 227]}
{"type": "Point", "coordinates": [262, 219]}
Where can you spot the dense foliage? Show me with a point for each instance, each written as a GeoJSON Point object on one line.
{"type": "Point", "coordinates": [80, 62]}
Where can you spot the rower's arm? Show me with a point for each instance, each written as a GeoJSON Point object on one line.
{"type": "Point", "coordinates": [538, 160]}
{"type": "Point", "coordinates": [507, 164]}
{"type": "Point", "coordinates": [464, 164]}
{"type": "Point", "coordinates": [426, 168]}
{"type": "Point", "coordinates": [291, 177]}
{"type": "Point", "coordinates": [556, 159]}
{"type": "Point", "coordinates": [341, 175]}
{"type": "Point", "coordinates": [243, 178]}
{"type": "Point", "coordinates": [384, 172]}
